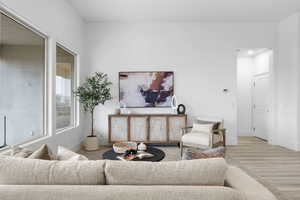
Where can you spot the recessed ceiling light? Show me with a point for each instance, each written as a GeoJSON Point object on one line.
{"type": "Point", "coordinates": [250, 52]}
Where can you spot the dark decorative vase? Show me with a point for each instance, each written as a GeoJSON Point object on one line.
{"type": "Point", "coordinates": [181, 109]}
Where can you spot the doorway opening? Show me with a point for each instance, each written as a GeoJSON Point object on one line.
{"type": "Point", "coordinates": [254, 94]}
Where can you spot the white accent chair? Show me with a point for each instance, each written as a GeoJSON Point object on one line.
{"type": "Point", "coordinates": [206, 133]}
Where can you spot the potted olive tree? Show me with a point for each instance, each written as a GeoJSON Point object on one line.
{"type": "Point", "coordinates": [94, 91]}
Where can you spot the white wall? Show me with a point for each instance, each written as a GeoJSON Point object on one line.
{"type": "Point", "coordinates": [287, 82]}
{"type": "Point", "coordinates": [203, 56]}
{"type": "Point", "coordinates": [58, 20]}
{"type": "Point", "coordinates": [245, 68]}
{"type": "Point", "coordinates": [262, 63]}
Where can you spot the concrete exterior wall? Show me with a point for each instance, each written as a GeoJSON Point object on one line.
{"type": "Point", "coordinates": [22, 92]}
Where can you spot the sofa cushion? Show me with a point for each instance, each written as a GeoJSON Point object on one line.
{"type": "Point", "coordinates": [196, 138]}
{"type": "Point", "coordinates": [117, 192]}
{"type": "Point", "coordinates": [66, 154]}
{"type": "Point", "coordinates": [20, 171]}
{"type": "Point", "coordinates": [189, 172]}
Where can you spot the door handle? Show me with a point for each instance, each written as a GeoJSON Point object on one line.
{"type": "Point", "coordinates": [4, 132]}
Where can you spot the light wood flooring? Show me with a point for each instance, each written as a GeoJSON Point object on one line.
{"type": "Point", "coordinates": [275, 167]}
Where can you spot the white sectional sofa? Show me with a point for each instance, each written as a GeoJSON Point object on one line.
{"type": "Point", "coordinates": [206, 179]}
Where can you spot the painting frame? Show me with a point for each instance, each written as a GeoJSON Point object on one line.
{"type": "Point", "coordinates": [133, 72]}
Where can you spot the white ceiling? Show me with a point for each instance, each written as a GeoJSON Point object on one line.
{"type": "Point", "coordinates": [185, 10]}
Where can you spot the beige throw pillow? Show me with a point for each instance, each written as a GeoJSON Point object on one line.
{"type": "Point", "coordinates": [78, 158]}
{"type": "Point", "coordinates": [42, 153]}
{"type": "Point", "coordinates": [66, 154]}
{"type": "Point", "coordinates": [20, 152]}
{"type": "Point", "coordinates": [202, 127]}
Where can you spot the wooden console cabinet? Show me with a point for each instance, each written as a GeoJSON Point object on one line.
{"type": "Point", "coordinates": [152, 128]}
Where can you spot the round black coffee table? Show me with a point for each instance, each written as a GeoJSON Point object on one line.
{"type": "Point", "coordinates": [158, 155]}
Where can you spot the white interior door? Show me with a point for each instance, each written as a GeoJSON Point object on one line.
{"type": "Point", "coordinates": [261, 106]}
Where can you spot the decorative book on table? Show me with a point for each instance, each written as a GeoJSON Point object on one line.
{"type": "Point", "coordinates": [139, 155]}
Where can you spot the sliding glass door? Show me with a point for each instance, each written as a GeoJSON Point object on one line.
{"type": "Point", "coordinates": [22, 69]}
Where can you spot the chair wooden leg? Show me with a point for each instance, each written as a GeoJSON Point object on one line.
{"type": "Point", "coordinates": [181, 150]}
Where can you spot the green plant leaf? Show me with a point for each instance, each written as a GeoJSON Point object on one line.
{"type": "Point", "coordinates": [94, 91]}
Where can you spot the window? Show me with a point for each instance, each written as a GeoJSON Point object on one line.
{"type": "Point", "coordinates": [65, 108]}
{"type": "Point", "coordinates": [22, 81]}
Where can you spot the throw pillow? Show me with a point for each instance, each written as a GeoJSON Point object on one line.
{"type": "Point", "coordinates": [78, 158]}
{"type": "Point", "coordinates": [42, 153]}
{"type": "Point", "coordinates": [202, 127]}
{"type": "Point", "coordinates": [66, 154]}
{"type": "Point", "coordinates": [216, 124]}
{"type": "Point", "coordinates": [20, 152]}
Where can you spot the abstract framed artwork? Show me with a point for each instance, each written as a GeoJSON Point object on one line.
{"type": "Point", "coordinates": [146, 89]}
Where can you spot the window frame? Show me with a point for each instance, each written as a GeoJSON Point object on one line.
{"type": "Point", "coordinates": [74, 85]}
{"type": "Point", "coordinates": [46, 75]}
